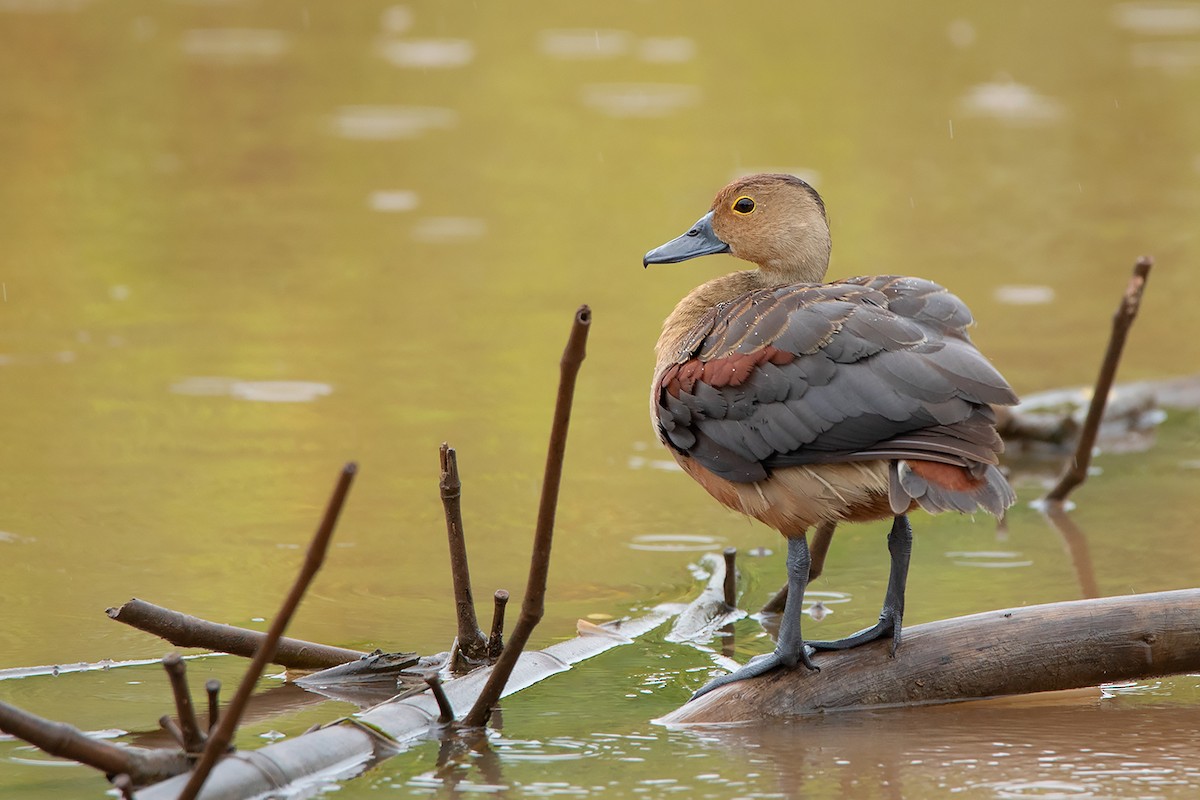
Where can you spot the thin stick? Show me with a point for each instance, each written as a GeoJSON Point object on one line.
{"type": "Point", "coordinates": [213, 690]}
{"type": "Point", "coordinates": [67, 741]}
{"type": "Point", "coordinates": [439, 694]}
{"type": "Point", "coordinates": [533, 605]}
{"type": "Point", "coordinates": [495, 641]}
{"type": "Point", "coordinates": [192, 738]}
{"type": "Point", "coordinates": [730, 586]}
{"type": "Point", "coordinates": [184, 630]}
{"type": "Point", "coordinates": [1076, 471]}
{"type": "Point", "coordinates": [472, 644]}
{"type": "Point", "coordinates": [223, 734]}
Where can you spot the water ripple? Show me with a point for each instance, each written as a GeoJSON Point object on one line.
{"type": "Point", "coordinates": [391, 122]}
{"type": "Point", "coordinates": [640, 99]}
{"type": "Point", "coordinates": [583, 43]}
{"type": "Point", "coordinates": [235, 45]}
{"type": "Point", "coordinates": [1011, 102]}
{"type": "Point", "coordinates": [428, 53]}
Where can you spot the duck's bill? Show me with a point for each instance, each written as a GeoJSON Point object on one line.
{"type": "Point", "coordinates": [699, 241]}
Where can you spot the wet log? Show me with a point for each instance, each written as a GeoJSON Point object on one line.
{"type": "Point", "coordinates": [1041, 648]}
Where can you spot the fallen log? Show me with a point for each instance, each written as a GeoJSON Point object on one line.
{"type": "Point", "coordinates": [1041, 648]}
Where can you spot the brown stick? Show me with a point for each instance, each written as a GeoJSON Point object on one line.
{"type": "Point", "coordinates": [1076, 471]}
{"type": "Point", "coordinates": [472, 644]}
{"type": "Point", "coordinates": [533, 605]}
{"type": "Point", "coordinates": [219, 739]}
{"type": "Point", "coordinates": [1041, 648]}
{"type": "Point", "coordinates": [67, 741]}
{"type": "Point", "coordinates": [191, 737]}
{"type": "Point", "coordinates": [183, 630]}
{"type": "Point", "coordinates": [495, 641]}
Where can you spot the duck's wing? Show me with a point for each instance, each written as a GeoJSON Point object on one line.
{"type": "Point", "coordinates": [867, 368]}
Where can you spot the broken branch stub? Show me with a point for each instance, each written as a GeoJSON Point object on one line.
{"type": "Point", "coordinates": [471, 648]}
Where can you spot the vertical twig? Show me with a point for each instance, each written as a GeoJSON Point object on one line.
{"type": "Point", "coordinates": [445, 709]}
{"type": "Point", "coordinates": [1077, 467]}
{"type": "Point", "coordinates": [220, 738]}
{"type": "Point", "coordinates": [472, 645]}
{"type": "Point", "coordinates": [192, 737]}
{"type": "Point", "coordinates": [730, 585]}
{"type": "Point", "coordinates": [495, 643]}
{"type": "Point", "coordinates": [533, 604]}
{"type": "Point", "coordinates": [213, 690]}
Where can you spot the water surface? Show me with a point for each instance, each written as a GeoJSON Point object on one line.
{"type": "Point", "coordinates": [245, 242]}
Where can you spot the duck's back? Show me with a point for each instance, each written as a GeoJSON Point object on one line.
{"type": "Point", "coordinates": [866, 369]}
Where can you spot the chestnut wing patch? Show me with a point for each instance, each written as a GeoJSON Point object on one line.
{"type": "Point", "coordinates": [808, 374]}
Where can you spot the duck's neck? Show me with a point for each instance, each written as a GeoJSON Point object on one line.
{"type": "Point", "coordinates": [701, 300]}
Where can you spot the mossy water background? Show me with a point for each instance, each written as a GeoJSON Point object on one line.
{"type": "Point", "coordinates": [244, 242]}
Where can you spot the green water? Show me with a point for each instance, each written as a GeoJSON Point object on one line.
{"type": "Point", "coordinates": [400, 207]}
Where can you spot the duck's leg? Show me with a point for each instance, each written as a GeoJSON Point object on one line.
{"type": "Point", "coordinates": [789, 647]}
{"type": "Point", "coordinates": [890, 618]}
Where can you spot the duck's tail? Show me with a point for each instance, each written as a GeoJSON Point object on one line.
{"type": "Point", "coordinates": [940, 487]}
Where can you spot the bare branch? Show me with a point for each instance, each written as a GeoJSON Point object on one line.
{"type": "Point", "coordinates": [184, 630]}
{"type": "Point", "coordinates": [1076, 472]}
{"type": "Point", "coordinates": [471, 649]}
{"type": "Point", "coordinates": [533, 604]}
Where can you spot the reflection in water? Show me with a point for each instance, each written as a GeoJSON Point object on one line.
{"type": "Point", "coordinates": [640, 99]}
{"type": "Point", "coordinates": [391, 122]}
{"type": "Point", "coordinates": [1029, 750]}
{"type": "Point", "coordinates": [235, 45]}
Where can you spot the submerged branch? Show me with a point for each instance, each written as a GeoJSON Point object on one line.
{"type": "Point", "coordinates": [66, 741]}
{"type": "Point", "coordinates": [184, 630]}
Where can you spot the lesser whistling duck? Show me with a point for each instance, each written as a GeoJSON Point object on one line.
{"type": "Point", "coordinates": [802, 403]}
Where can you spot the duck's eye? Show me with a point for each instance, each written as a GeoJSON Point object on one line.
{"type": "Point", "coordinates": [743, 205]}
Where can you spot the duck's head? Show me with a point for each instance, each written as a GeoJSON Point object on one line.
{"type": "Point", "coordinates": [775, 221]}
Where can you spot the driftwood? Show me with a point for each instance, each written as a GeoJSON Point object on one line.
{"type": "Point", "coordinates": [346, 746]}
{"type": "Point", "coordinates": [1040, 648]}
{"type": "Point", "coordinates": [183, 630]}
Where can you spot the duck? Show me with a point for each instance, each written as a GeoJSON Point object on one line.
{"type": "Point", "coordinates": [804, 403]}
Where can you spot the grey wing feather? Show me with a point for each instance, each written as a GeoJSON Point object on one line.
{"type": "Point", "coordinates": [875, 367]}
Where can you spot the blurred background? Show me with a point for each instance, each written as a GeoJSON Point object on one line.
{"type": "Point", "coordinates": [245, 241]}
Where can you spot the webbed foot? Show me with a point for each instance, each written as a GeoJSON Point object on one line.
{"type": "Point", "coordinates": [760, 665]}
